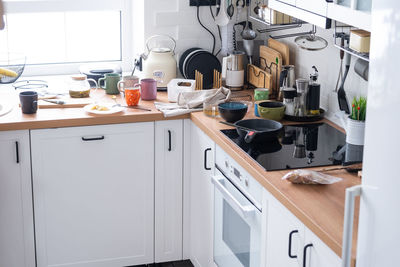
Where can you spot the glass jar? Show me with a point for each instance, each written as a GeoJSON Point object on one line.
{"type": "Point", "coordinates": [79, 86]}
{"type": "Point", "coordinates": [289, 95]}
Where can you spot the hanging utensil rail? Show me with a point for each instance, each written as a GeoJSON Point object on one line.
{"type": "Point", "coordinates": [277, 27]}
{"type": "Point", "coordinates": [296, 34]}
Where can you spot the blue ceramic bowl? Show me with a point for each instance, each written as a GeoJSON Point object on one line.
{"type": "Point", "coordinates": [232, 111]}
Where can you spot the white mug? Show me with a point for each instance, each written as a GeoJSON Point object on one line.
{"type": "Point", "coordinates": [127, 82]}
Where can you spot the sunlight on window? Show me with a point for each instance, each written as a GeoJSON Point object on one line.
{"type": "Point", "coordinates": [64, 37]}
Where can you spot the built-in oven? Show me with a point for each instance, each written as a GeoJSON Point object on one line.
{"type": "Point", "coordinates": [237, 220]}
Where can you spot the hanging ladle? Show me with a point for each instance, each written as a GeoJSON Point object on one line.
{"type": "Point", "coordinates": [247, 33]}
{"type": "Point", "coordinates": [231, 9]}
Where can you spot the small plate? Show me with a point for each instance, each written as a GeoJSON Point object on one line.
{"type": "Point", "coordinates": [112, 109]}
{"type": "Point", "coordinates": [5, 108]}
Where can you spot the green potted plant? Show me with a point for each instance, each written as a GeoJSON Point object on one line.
{"type": "Point", "coordinates": [355, 124]}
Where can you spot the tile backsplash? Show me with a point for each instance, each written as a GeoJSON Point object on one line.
{"type": "Point", "coordinates": [176, 18]}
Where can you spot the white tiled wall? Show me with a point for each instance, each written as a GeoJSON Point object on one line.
{"type": "Point", "coordinates": [177, 19]}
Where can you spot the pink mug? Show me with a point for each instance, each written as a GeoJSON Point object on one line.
{"type": "Point", "coordinates": [148, 89]}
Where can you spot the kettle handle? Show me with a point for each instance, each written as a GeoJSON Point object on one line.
{"type": "Point", "coordinates": [157, 36]}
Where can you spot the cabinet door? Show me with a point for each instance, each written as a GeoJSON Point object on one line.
{"type": "Point", "coordinates": [315, 6]}
{"type": "Point", "coordinates": [16, 210]}
{"type": "Point", "coordinates": [354, 17]}
{"type": "Point", "coordinates": [285, 237]}
{"type": "Point", "coordinates": [289, 2]}
{"type": "Point", "coordinates": [318, 254]}
{"type": "Point", "coordinates": [201, 199]}
{"type": "Point", "coordinates": [168, 190]}
{"type": "Point", "coordinates": [94, 195]}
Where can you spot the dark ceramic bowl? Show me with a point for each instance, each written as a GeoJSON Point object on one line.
{"type": "Point", "coordinates": [232, 111]}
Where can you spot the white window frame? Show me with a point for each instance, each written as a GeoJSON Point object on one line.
{"type": "Point", "coordinates": [33, 6]}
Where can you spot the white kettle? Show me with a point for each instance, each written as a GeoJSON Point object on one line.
{"type": "Point", "coordinates": [159, 63]}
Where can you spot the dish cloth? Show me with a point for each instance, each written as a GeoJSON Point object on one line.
{"type": "Point", "coordinates": [193, 101]}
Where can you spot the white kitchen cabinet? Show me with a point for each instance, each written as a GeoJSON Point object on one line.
{"type": "Point", "coordinates": [354, 15]}
{"type": "Point", "coordinates": [168, 190]}
{"type": "Point", "coordinates": [285, 237]}
{"type": "Point", "coordinates": [314, 6]}
{"type": "Point", "coordinates": [201, 199]}
{"type": "Point", "coordinates": [288, 239]}
{"type": "Point", "coordinates": [94, 195]}
{"type": "Point", "coordinates": [16, 210]}
{"type": "Point", "coordinates": [289, 2]}
{"type": "Point", "coordinates": [318, 254]}
{"type": "Point", "coordinates": [311, 11]}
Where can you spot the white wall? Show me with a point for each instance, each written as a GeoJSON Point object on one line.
{"type": "Point", "coordinates": [176, 18]}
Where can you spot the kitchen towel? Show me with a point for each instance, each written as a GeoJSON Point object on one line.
{"type": "Point", "coordinates": [193, 101]}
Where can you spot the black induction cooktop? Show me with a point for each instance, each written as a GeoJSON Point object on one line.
{"type": "Point", "coordinates": [298, 146]}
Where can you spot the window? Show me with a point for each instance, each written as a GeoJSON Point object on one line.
{"type": "Point", "coordinates": [59, 35]}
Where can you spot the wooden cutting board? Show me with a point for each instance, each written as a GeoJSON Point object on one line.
{"type": "Point", "coordinates": [273, 59]}
{"type": "Point", "coordinates": [281, 48]}
{"type": "Point", "coordinates": [258, 77]}
{"type": "Point", "coordinates": [69, 103]}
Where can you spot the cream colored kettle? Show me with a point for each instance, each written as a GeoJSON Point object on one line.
{"type": "Point", "coordinates": [160, 63]}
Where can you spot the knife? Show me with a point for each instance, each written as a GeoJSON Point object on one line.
{"type": "Point", "coordinates": [57, 102]}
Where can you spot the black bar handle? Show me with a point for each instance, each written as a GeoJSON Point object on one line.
{"type": "Point", "coordinates": [205, 159]}
{"type": "Point", "coordinates": [93, 138]}
{"type": "Point", "coordinates": [169, 140]}
{"type": "Point", "coordinates": [290, 244]}
{"type": "Point", "coordinates": [305, 254]}
{"type": "Point", "coordinates": [17, 151]}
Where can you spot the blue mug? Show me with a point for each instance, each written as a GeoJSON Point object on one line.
{"type": "Point", "coordinates": [256, 108]}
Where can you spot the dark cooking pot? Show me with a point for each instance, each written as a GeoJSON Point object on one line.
{"type": "Point", "coordinates": [263, 129]}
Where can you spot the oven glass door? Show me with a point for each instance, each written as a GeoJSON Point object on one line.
{"type": "Point", "coordinates": [237, 226]}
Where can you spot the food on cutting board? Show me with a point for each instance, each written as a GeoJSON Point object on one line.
{"type": "Point", "coordinates": [100, 108]}
{"type": "Point", "coordinates": [8, 72]}
{"type": "Point", "coordinates": [310, 177]}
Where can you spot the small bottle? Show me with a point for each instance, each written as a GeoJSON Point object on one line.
{"type": "Point", "coordinates": [313, 95]}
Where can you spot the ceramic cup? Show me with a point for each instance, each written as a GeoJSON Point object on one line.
{"type": "Point", "coordinates": [132, 95]}
{"type": "Point", "coordinates": [271, 110]}
{"type": "Point", "coordinates": [127, 82]}
{"type": "Point", "coordinates": [148, 89]}
{"type": "Point", "coordinates": [110, 81]}
{"type": "Point", "coordinates": [29, 102]}
{"type": "Point", "coordinates": [256, 108]}
{"type": "Point", "coordinates": [261, 94]}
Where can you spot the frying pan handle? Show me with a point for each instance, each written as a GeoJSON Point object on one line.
{"type": "Point", "coordinates": [250, 136]}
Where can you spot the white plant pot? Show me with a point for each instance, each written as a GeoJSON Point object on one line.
{"type": "Point", "coordinates": [355, 131]}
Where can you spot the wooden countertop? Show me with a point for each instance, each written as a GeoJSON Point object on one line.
{"type": "Point", "coordinates": [67, 117]}
{"type": "Point", "coordinates": [319, 207]}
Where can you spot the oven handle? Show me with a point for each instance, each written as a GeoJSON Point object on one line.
{"type": "Point", "coordinates": [246, 211]}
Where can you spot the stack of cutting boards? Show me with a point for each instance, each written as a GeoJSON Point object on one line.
{"type": "Point", "coordinates": [272, 58]}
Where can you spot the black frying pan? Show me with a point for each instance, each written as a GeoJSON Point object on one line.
{"type": "Point", "coordinates": [263, 129]}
